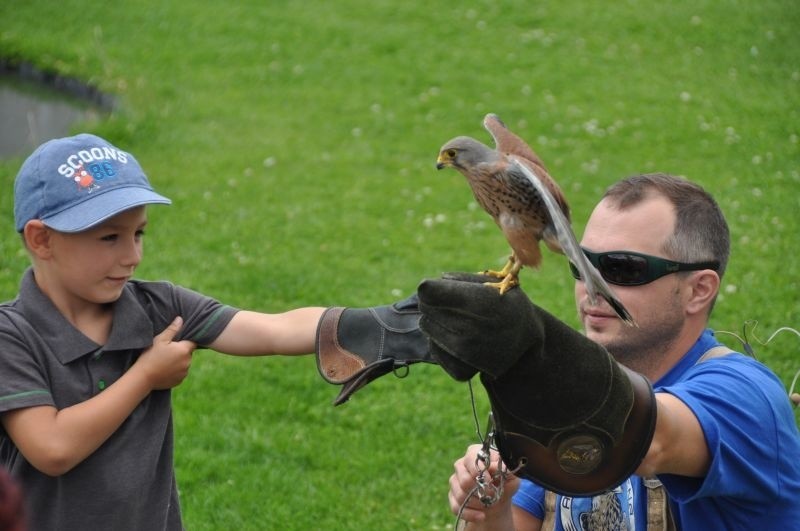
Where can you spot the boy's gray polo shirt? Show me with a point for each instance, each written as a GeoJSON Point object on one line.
{"type": "Point", "coordinates": [129, 482]}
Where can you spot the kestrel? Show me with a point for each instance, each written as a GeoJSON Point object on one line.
{"type": "Point", "coordinates": [513, 186]}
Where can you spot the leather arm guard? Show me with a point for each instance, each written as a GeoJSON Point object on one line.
{"type": "Point", "coordinates": [567, 415]}
{"type": "Point", "coordinates": [357, 345]}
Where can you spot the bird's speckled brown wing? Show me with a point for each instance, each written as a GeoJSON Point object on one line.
{"type": "Point", "coordinates": [508, 143]}
{"type": "Point", "coordinates": [560, 229]}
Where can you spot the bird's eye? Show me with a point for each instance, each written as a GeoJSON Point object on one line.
{"type": "Point", "coordinates": [451, 153]}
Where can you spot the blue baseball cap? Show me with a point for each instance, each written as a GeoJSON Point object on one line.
{"type": "Point", "coordinates": [77, 182]}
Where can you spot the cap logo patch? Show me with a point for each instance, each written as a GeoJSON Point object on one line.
{"type": "Point", "coordinates": [90, 167]}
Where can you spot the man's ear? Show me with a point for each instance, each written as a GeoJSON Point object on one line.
{"type": "Point", "coordinates": [38, 239]}
{"type": "Point", "coordinates": [704, 288]}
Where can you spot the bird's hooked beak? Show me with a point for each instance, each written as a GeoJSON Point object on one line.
{"type": "Point", "coordinates": [444, 160]}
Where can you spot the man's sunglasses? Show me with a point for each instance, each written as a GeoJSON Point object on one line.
{"type": "Point", "coordinates": [626, 268]}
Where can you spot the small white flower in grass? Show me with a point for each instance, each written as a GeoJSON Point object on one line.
{"type": "Point", "coordinates": [754, 51]}
{"type": "Point", "coordinates": [730, 288]}
{"type": "Point", "coordinates": [269, 162]}
{"type": "Point", "coordinates": [757, 192]}
{"type": "Point", "coordinates": [695, 20]}
{"type": "Point", "coordinates": [756, 159]}
{"type": "Point", "coordinates": [685, 97]}
{"type": "Point", "coordinates": [356, 132]}
{"type": "Point", "coordinates": [396, 293]}
{"type": "Point", "coordinates": [591, 166]}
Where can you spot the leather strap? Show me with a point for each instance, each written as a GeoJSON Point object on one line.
{"type": "Point", "coordinates": [659, 515]}
{"type": "Point", "coordinates": [549, 522]}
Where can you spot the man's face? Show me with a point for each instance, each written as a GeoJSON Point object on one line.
{"type": "Point", "coordinates": [656, 307]}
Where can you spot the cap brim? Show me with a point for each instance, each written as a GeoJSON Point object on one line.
{"type": "Point", "coordinates": [540, 464]}
{"type": "Point", "coordinates": [97, 209]}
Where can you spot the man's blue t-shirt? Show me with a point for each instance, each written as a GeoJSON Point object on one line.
{"type": "Point", "coordinates": [753, 481]}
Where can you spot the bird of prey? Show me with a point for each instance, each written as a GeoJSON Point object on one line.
{"type": "Point", "coordinates": [511, 183]}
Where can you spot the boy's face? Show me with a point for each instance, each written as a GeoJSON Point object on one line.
{"type": "Point", "coordinates": [94, 265]}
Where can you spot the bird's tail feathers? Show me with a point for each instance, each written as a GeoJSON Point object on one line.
{"type": "Point", "coordinates": [597, 286]}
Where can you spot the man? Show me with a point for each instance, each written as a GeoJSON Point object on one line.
{"type": "Point", "coordinates": [725, 444]}
{"type": "Point", "coordinates": [711, 445]}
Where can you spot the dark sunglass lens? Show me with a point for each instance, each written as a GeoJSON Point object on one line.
{"type": "Point", "coordinates": [574, 270]}
{"type": "Point", "coordinates": [624, 268]}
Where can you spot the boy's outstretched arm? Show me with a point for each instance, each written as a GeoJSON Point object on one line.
{"type": "Point", "coordinates": [253, 333]}
{"type": "Point", "coordinates": [54, 441]}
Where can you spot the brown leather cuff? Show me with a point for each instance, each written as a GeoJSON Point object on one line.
{"type": "Point", "coordinates": [357, 345]}
{"type": "Point", "coordinates": [335, 363]}
{"type": "Point", "coordinates": [579, 462]}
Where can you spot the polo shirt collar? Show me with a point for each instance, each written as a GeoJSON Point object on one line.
{"type": "Point", "coordinates": [131, 327]}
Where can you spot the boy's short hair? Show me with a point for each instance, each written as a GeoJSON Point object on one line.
{"type": "Point", "coordinates": [72, 184]}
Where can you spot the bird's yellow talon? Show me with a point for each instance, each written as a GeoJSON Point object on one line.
{"type": "Point", "coordinates": [508, 282]}
{"type": "Point", "coordinates": [507, 270]}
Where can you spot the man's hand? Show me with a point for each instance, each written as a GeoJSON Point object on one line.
{"type": "Point", "coordinates": [473, 328]}
{"type": "Point", "coordinates": [462, 486]}
{"type": "Point", "coordinates": [167, 362]}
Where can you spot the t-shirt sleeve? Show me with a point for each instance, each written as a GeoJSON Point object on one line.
{"type": "Point", "coordinates": [23, 382]}
{"type": "Point", "coordinates": [744, 413]}
{"type": "Point", "coordinates": [204, 318]}
{"type": "Point", "coordinates": [530, 497]}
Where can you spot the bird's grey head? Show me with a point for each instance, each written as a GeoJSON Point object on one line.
{"type": "Point", "coordinates": [464, 152]}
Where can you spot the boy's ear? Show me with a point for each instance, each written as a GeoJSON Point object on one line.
{"type": "Point", "coordinates": [38, 238]}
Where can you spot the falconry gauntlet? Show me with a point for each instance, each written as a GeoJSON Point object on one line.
{"type": "Point", "coordinates": [567, 415]}
{"type": "Point", "coordinates": [357, 345]}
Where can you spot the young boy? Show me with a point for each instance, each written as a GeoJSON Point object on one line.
{"type": "Point", "coordinates": [88, 356]}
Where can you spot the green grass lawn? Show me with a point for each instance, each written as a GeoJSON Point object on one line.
{"type": "Point", "coordinates": [298, 140]}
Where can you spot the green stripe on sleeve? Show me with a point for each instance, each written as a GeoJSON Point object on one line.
{"type": "Point", "coordinates": [25, 394]}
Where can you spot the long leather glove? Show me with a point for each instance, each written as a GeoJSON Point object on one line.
{"type": "Point", "coordinates": [567, 415]}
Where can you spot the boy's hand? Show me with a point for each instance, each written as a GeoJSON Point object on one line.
{"type": "Point", "coordinates": [167, 362]}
